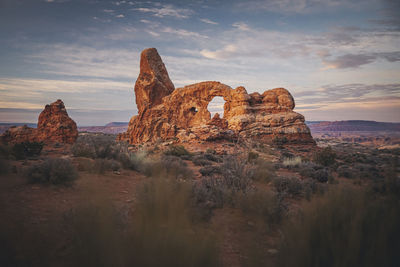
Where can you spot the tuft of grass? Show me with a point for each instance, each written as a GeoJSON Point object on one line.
{"type": "Point", "coordinates": [292, 162]}
{"type": "Point", "coordinates": [163, 226]}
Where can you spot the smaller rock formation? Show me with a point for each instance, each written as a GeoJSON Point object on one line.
{"type": "Point", "coordinates": [54, 126]}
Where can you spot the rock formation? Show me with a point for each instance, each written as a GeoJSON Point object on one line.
{"type": "Point", "coordinates": [165, 113]}
{"type": "Point", "coordinates": [54, 126]}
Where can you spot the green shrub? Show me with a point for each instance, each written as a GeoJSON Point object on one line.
{"type": "Point", "coordinates": [177, 150]}
{"type": "Point", "coordinates": [52, 171]}
{"type": "Point", "coordinates": [289, 185]}
{"type": "Point", "coordinates": [325, 157]}
{"type": "Point", "coordinates": [210, 170]}
{"type": "Point", "coordinates": [80, 149]}
{"type": "Point", "coordinates": [201, 160]}
{"type": "Point", "coordinates": [252, 156]}
{"type": "Point", "coordinates": [26, 149]}
{"type": "Point", "coordinates": [343, 228]}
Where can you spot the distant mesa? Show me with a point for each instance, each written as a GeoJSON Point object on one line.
{"type": "Point", "coordinates": [353, 126]}
{"type": "Point", "coordinates": [54, 126]}
{"type": "Point", "coordinates": [166, 113]}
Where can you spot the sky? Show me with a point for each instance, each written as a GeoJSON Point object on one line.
{"type": "Point", "coordinates": [339, 59]}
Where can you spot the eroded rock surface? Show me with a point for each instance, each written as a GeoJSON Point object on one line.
{"type": "Point", "coordinates": [165, 113]}
{"type": "Point", "coordinates": [54, 126]}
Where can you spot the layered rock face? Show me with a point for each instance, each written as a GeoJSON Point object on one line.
{"type": "Point", "coordinates": [165, 113]}
{"type": "Point", "coordinates": [54, 126]}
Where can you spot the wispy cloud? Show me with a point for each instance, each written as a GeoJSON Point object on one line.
{"type": "Point", "coordinates": [183, 33]}
{"type": "Point", "coordinates": [84, 61]}
{"type": "Point", "coordinates": [357, 60]}
{"type": "Point", "coordinates": [120, 16]}
{"type": "Point", "coordinates": [208, 21]}
{"type": "Point", "coordinates": [166, 10]}
{"type": "Point", "coordinates": [294, 6]}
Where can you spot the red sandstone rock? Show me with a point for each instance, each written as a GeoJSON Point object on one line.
{"type": "Point", "coordinates": [182, 113]}
{"type": "Point", "coordinates": [153, 82]}
{"type": "Point", "coordinates": [54, 125]}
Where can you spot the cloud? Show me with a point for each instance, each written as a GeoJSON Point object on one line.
{"type": "Point", "coordinates": [357, 60]}
{"type": "Point", "coordinates": [294, 6]}
{"type": "Point", "coordinates": [108, 11]}
{"type": "Point", "coordinates": [357, 92]}
{"type": "Point", "coordinates": [223, 53]}
{"type": "Point", "coordinates": [85, 61]}
{"type": "Point", "coordinates": [208, 21]}
{"type": "Point", "coordinates": [241, 26]}
{"type": "Point", "coordinates": [183, 33]}
{"type": "Point", "coordinates": [379, 102]}
{"type": "Point", "coordinates": [166, 11]}
{"type": "Point", "coordinates": [120, 16]}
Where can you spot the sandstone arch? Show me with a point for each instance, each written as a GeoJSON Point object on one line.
{"type": "Point", "coordinates": [165, 112]}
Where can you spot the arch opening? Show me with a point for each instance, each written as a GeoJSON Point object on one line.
{"type": "Point", "coordinates": [216, 105]}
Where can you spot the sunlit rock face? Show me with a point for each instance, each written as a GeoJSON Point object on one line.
{"type": "Point", "coordinates": [54, 126]}
{"type": "Point", "coordinates": [165, 112]}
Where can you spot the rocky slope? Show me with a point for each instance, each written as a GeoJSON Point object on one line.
{"type": "Point", "coordinates": [166, 113]}
{"type": "Point", "coordinates": [54, 126]}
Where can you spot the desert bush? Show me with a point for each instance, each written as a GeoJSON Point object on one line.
{"type": "Point", "coordinates": [5, 151]}
{"type": "Point", "coordinates": [288, 185]}
{"type": "Point", "coordinates": [263, 204]}
{"type": "Point", "coordinates": [52, 171]}
{"type": "Point", "coordinates": [210, 170]}
{"type": "Point", "coordinates": [315, 171]}
{"type": "Point", "coordinates": [211, 151]}
{"type": "Point", "coordinates": [263, 171]}
{"type": "Point", "coordinates": [325, 157]}
{"type": "Point", "coordinates": [102, 165]}
{"type": "Point", "coordinates": [224, 184]}
{"type": "Point", "coordinates": [177, 150]}
{"type": "Point", "coordinates": [212, 157]}
{"type": "Point", "coordinates": [252, 156]}
{"type": "Point", "coordinates": [200, 160]}
{"type": "Point", "coordinates": [84, 164]}
{"type": "Point", "coordinates": [80, 149]}
{"type": "Point", "coordinates": [345, 171]}
{"type": "Point", "coordinates": [99, 146]}
{"type": "Point", "coordinates": [345, 227]}
{"type": "Point", "coordinates": [175, 167]}
{"type": "Point", "coordinates": [4, 166]}
{"type": "Point", "coordinates": [26, 149]}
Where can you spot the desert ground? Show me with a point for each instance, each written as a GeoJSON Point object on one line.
{"type": "Point", "coordinates": [105, 203]}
